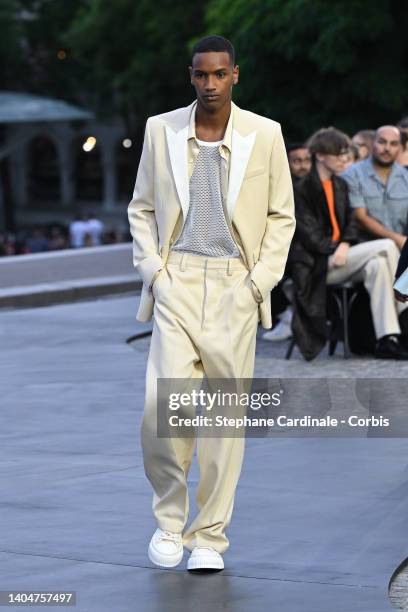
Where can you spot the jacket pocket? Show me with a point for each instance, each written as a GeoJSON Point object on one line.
{"type": "Point", "coordinates": [255, 172]}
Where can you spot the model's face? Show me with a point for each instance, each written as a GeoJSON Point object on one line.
{"type": "Point", "coordinates": [300, 162]}
{"type": "Point", "coordinates": [213, 77]}
{"type": "Point", "coordinates": [386, 146]}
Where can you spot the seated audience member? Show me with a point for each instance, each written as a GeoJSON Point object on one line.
{"type": "Point", "coordinates": [325, 251]}
{"type": "Point", "coordinates": [299, 159]}
{"type": "Point", "coordinates": [363, 140]}
{"type": "Point", "coordinates": [37, 242]}
{"type": "Point", "coordinates": [57, 240]}
{"type": "Point", "coordinates": [9, 244]}
{"type": "Point", "coordinates": [378, 190]}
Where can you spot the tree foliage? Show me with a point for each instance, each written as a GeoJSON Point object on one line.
{"type": "Point", "coordinates": [135, 54]}
{"type": "Point", "coordinates": [31, 37]}
{"type": "Point", "coordinates": [310, 63]}
{"type": "Point", "coordinates": [11, 53]}
{"type": "Point", "coordinates": [306, 63]}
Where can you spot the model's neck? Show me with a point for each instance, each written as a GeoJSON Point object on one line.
{"type": "Point", "coordinates": [323, 172]}
{"type": "Point", "coordinates": [211, 125]}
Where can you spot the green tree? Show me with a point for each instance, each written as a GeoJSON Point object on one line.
{"type": "Point", "coordinates": [49, 67]}
{"type": "Point", "coordinates": [134, 55]}
{"type": "Point", "coordinates": [124, 57]}
{"type": "Point", "coordinates": [309, 63]}
{"type": "Point", "coordinates": [33, 55]}
{"type": "Point", "coordinates": [11, 52]}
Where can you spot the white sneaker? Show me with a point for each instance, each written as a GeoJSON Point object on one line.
{"type": "Point", "coordinates": [282, 331]}
{"type": "Point", "coordinates": [203, 557]}
{"type": "Point", "coordinates": [166, 548]}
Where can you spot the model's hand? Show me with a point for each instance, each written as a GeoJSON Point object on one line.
{"type": "Point", "coordinates": [400, 297]}
{"type": "Point", "coordinates": [339, 257]}
{"type": "Point", "coordinates": [399, 240]}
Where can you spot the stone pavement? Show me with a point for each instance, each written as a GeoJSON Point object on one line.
{"type": "Point", "coordinates": [319, 524]}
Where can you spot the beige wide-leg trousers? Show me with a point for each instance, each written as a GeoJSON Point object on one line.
{"type": "Point", "coordinates": [205, 323]}
{"type": "Point", "coordinates": [375, 263]}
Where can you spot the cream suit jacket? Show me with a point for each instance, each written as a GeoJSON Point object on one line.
{"type": "Point", "coordinates": [259, 203]}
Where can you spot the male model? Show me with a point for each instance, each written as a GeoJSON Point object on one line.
{"type": "Point", "coordinates": [212, 217]}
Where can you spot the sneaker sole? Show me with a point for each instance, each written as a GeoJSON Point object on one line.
{"type": "Point", "coordinates": [205, 563]}
{"type": "Point", "coordinates": [164, 560]}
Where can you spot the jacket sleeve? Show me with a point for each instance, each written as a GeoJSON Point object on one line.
{"type": "Point", "coordinates": [141, 214]}
{"type": "Point", "coordinates": [351, 230]}
{"type": "Point", "coordinates": [309, 229]}
{"type": "Point", "coordinates": [403, 260]}
{"type": "Point", "coordinates": [280, 223]}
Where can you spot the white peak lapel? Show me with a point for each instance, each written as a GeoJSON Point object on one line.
{"type": "Point", "coordinates": [177, 143]}
{"type": "Point", "coordinates": [241, 149]}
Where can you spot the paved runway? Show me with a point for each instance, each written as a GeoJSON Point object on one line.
{"type": "Point", "coordinates": [319, 524]}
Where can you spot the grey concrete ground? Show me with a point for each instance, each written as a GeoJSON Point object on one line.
{"type": "Point", "coordinates": [319, 524]}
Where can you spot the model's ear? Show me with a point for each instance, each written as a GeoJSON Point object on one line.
{"type": "Point", "coordinates": [235, 74]}
{"type": "Point", "coordinates": [190, 70]}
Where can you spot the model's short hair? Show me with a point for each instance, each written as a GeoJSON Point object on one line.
{"type": "Point", "coordinates": [214, 43]}
{"type": "Point", "coordinates": [328, 141]}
